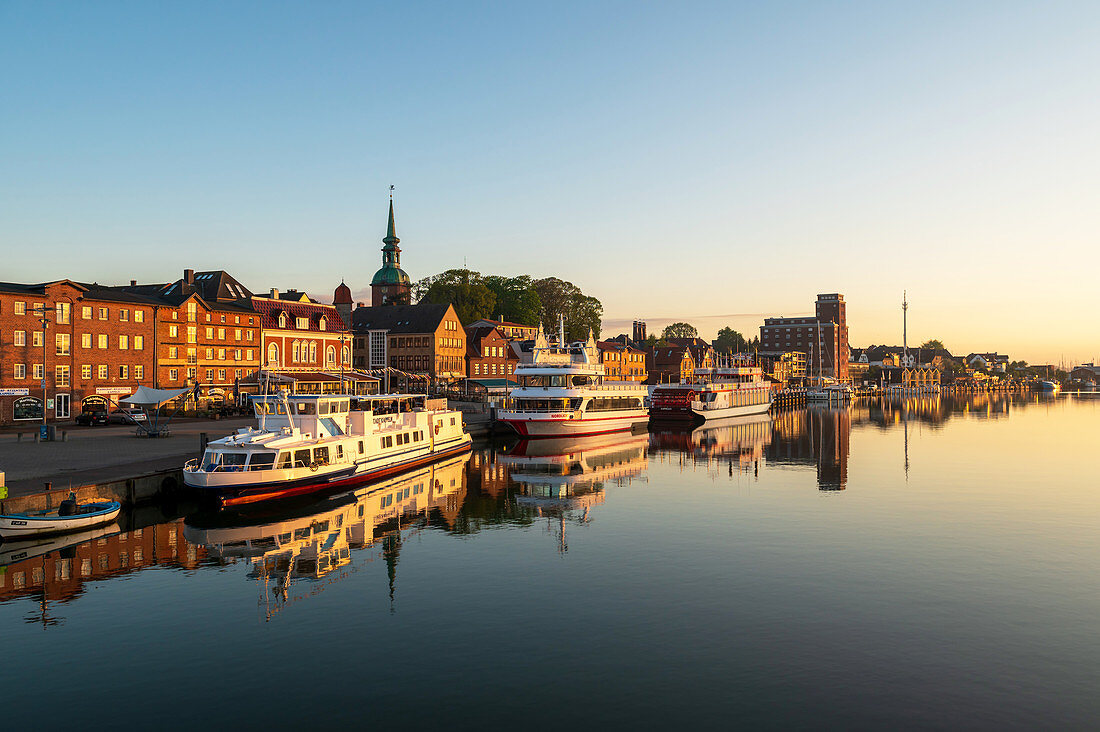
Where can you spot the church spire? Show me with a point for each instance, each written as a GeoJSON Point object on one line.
{"type": "Point", "coordinates": [391, 233]}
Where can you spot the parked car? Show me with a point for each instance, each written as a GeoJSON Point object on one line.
{"type": "Point", "coordinates": [127, 415]}
{"type": "Point", "coordinates": [92, 417]}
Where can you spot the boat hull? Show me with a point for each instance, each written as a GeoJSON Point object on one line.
{"type": "Point", "coordinates": [567, 427]}
{"type": "Point", "coordinates": [242, 494]}
{"type": "Point", "coordinates": [17, 526]}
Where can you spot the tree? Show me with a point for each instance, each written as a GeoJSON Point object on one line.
{"type": "Point", "coordinates": [679, 330]}
{"type": "Point", "coordinates": [563, 299]}
{"type": "Point", "coordinates": [517, 299]}
{"type": "Point", "coordinates": [730, 341]}
{"type": "Point", "coordinates": [464, 289]}
{"type": "Point", "coordinates": [934, 344]}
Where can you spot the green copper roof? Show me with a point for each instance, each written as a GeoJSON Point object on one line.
{"type": "Point", "coordinates": [390, 276]}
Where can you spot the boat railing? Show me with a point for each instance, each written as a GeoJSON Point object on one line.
{"type": "Point", "coordinates": [194, 466]}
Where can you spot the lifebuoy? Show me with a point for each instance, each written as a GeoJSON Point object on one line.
{"type": "Point", "coordinates": [313, 467]}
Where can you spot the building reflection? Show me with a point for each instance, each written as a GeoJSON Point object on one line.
{"type": "Point", "coordinates": [57, 569]}
{"type": "Point", "coordinates": [317, 539]}
{"type": "Point", "coordinates": [816, 436]}
{"type": "Point", "coordinates": [562, 479]}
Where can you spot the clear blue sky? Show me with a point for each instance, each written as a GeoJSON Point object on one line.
{"type": "Point", "coordinates": [677, 160]}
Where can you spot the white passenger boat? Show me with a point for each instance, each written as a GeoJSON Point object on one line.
{"type": "Point", "coordinates": [563, 393]}
{"type": "Point", "coordinates": [309, 443]}
{"type": "Point", "coordinates": [1049, 387]}
{"type": "Point", "coordinates": [69, 516]}
{"type": "Point", "coordinates": [727, 391]}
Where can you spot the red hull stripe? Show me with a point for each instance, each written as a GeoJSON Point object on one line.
{"type": "Point", "coordinates": [353, 480]}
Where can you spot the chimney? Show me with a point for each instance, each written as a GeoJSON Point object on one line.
{"type": "Point", "coordinates": [274, 294]}
{"type": "Point", "coordinates": [133, 283]}
{"type": "Point", "coordinates": [189, 276]}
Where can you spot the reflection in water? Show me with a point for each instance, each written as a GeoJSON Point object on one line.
{"type": "Point", "coordinates": [318, 538]}
{"type": "Point", "coordinates": [562, 479]}
{"type": "Point", "coordinates": [559, 481]}
{"type": "Point", "coordinates": [56, 570]}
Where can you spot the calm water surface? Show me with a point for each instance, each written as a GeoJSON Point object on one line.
{"type": "Point", "coordinates": [930, 563]}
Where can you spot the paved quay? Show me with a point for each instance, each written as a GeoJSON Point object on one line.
{"type": "Point", "coordinates": [98, 454]}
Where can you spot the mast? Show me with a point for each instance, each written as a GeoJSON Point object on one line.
{"type": "Point", "coordinates": [904, 330]}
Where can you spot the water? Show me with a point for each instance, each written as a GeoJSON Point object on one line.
{"type": "Point", "coordinates": [930, 563]}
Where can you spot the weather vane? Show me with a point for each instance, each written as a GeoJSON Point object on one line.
{"type": "Point", "coordinates": [391, 191]}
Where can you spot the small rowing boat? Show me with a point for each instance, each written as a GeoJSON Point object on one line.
{"type": "Point", "coordinates": [69, 516]}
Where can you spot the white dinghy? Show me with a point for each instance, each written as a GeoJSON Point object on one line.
{"type": "Point", "coordinates": [67, 517]}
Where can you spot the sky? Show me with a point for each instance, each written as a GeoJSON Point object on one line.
{"type": "Point", "coordinates": [715, 163]}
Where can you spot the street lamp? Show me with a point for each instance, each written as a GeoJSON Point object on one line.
{"type": "Point", "coordinates": [41, 311]}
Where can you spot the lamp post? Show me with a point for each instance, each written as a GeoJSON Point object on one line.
{"type": "Point", "coordinates": [44, 319]}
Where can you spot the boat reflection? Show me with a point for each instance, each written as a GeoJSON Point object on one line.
{"type": "Point", "coordinates": [737, 442]}
{"type": "Point", "coordinates": [316, 539]}
{"type": "Point", "coordinates": [562, 479]}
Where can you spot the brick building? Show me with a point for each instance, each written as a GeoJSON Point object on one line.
{"type": "Point", "coordinates": [207, 334]}
{"type": "Point", "coordinates": [824, 337]}
{"type": "Point", "coordinates": [425, 340]}
{"type": "Point", "coordinates": [98, 345]}
{"type": "Point", "coordinates": [488, 355]}
{"type": "Point", "coordinates": [301, 334]}
{"type": "Point", "coordinates": [511, 331]}
{"type": "Point", "coordinates": [622, 362]}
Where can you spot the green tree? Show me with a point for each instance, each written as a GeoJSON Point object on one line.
{"type": "Point", "coordinates": [730, 341]}
{"type": "Point", "coordinates": [679, 330]}
{"type": "Point", "coordinates": [559, 298]}
{"type": "Point", "coordinates": [516, 298]}
{"type": "Point", "coordinates": [464, 289]}
{"type": "Point", "coordinates": [934, 343]}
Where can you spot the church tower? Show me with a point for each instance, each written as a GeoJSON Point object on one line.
{"type": "Point", "coordinates": [390, 286]}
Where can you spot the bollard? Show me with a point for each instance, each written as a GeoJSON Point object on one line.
{"type": "Point", "coordinates": [203, 439]}
{"type": "Point", "coordinates": [48, 486]}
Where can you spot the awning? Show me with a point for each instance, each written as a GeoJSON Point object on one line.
{"type": "Point", "coordinates": [146, 397]}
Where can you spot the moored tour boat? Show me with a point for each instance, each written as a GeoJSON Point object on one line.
{"type": "Point", "coordinates": [563, 393]}
{"type": "Point", "coordinates": [718, 393]}
{"type": "Point", "coordinates": [310, 443]}
{"type": "Point", "coordinates": [69, 516]}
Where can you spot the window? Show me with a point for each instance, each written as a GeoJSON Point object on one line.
{"type": "Point", "coordinates": [139, 316]}
{"type": "Point", "coordinates": [61, 376]}
{"type": "Point", "coordinates": [282, 320]}
{"type": "Point", "coordinates": [237, 334]}
{"type": "Point", "coordinates": [223, 319]}
{"type": "Point", "coordinates": [36, 338]}
{"type": "Point", "coordinates": [102, 371]}
{"type": "Point", "coordinates": [86, 371]}
{"type": "Point", "coordinates": [103, 313]}
{"type": "Point", "coordinates": [123, 371]}
{"type": "Point", "coordinates": [249, 356]}
{"type": "Point", "coordinates": [173, 352]}
{"type": "Point", "coordinates": [173, 374]}
{"type": "Point", "coordinates": [221, 334]}
{"type": "Point", "coordinates": [139, 372]}
{"type": "Point", "coordinates": [301, 323]}
{"type": "Point", "coordinates": [102, 341]}
{"type": "Point", "coordinates": [221, 354]}
{"type": "Point", "coordinates": [20, 370]}
{"type": "Point", "coordinates": [313, 351]}
{"type": "Point", "coordinates": [173, 330]}
{"type": "Point", "coordinates": [20, 338]}
{"type": "Point", "coordinates": [209, 375]}
{"type": "Point", "coordinates": [296, 350]}
{"type": "Point", "coordinates": [85, 340]}
{"type": "Point", "coordinates": [192, 356]}
{"type": "Point", "coordinates": [139, 343]}
{"type": "Point", "coordinates": [191, 334]}
{"type": "Point", "coordinates": [209, 333]}
{"type": "Point", "coordinates": [62, 310]}
{"type": "Point", "coordinates": [346, 354]}
{"type": "Point", "coordinates": [237, 373]}
{"type": "Point", "coordinates": [330, 356]}
{"type": "Point", "coordinates": [192, 373]}
{"type": "Point", "coordinates": [61, 344]}
{"type": "Point", "coordinates": [20, 308]}
{"type": "Point", "coordinates": [124, 343]}
{"type": "Point", "coordinates": [124, 315]}
{"type": "Point", "coordinates": [209, 353]}
{"type": "Point", "coordinates": [191, 308]}
{"type": "Point", "coordinates": [39, 371]}
{"type": "Point", "coordinates": [250, 332]}
{"type": "Point", "coordinates": [221, 375]}
{"type": "Point", "coordinates": [273, 355]}
{"type": "Point", "coordinates": [237, 355]}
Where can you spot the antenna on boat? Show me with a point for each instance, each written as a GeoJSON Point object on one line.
{"type": "Point", "coordinates": [561, 329]}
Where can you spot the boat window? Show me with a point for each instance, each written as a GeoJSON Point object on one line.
{"type": "Point", "coordinates": [322, 407]}
{"type": "Point", "coordinates": [209, 459]}
{"type": "Point", "coordinates": [284, 538]}
{"type": "Point", "coordinates": [284, 460]}
{"type": "Point", "coordinates": [580, 380]}
{"type": "Point", "coordinates": [301, 458]}
{"type": "Point", "coordinates": [575, 403]}
{"type": "Point", "coordinates": [320, 455]}
{"type": "Point", "coordinates": [233, 458]}
{"type": "Point", "coordinates": [301, 534]}
{"type": "Point", "coordinates": [360, 447]}
{"type": "Point", "coordinates": [559, 381]}
{"type": "Point", "coordinates": [534, 380]}
{"type": "Point", "coordinates": [321, 527]}
{"type": "Point", "coordinates": [307, 408]}
{"type": "Point", "coordinates": [339, 452]}
{"type": "Point", "coordinates": [261, 461]}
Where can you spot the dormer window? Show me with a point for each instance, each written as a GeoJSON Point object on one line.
{"type": "Point", "coordinates": [321, 323]}
{"type": "Point", "coordinates": [282, 320]}
{"type": "Point", "coordinates": [301, 323]}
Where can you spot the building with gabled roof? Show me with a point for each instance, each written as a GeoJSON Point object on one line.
{"type": "Point", "coordinates": [424, 341]}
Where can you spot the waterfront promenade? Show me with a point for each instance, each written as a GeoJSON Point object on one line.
{"type": "Point", "coordinates": [96, 454]}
